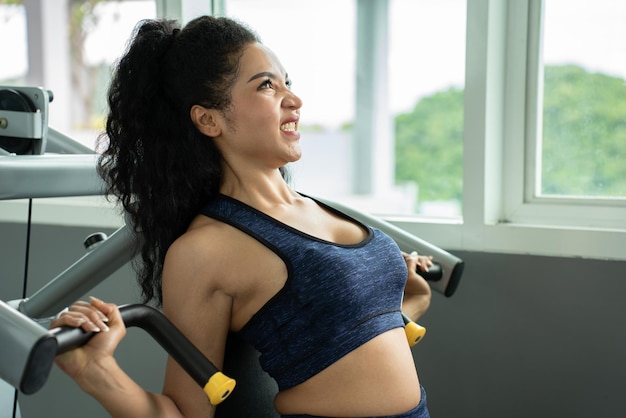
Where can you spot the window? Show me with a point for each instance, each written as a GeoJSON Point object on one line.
{"type": "Point", "coordinates": [14, 54]}
{"type": "Point", "coordinates": [99, 31]}
{"type": "Point", "coordinates": [564, 114]}
{"type": "Point", "coordinates": [582, 152]}
{"type": "Point", "coordinates": [426, 82]}
{"type": "Point", "coordinates": [77, 71]}
{"type": "Point", "coordinates": [404, 68]}
{"type": "Point", "coordinates": [485, 73]}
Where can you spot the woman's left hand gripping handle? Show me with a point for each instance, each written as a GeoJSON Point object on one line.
{"type": "Point", "coordinates": [95, 317]}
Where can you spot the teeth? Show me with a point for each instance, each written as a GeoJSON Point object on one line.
{"type": "Point", "coordinates": [291, 126]}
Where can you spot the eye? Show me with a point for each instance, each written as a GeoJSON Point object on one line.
{"type": "Point", "coordinates": [288, 83]}
{"type": "Point", "coordinates": [266, 84]}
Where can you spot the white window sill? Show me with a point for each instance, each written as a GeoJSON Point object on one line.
{"type": "Point", "coordinates": [559, 241]}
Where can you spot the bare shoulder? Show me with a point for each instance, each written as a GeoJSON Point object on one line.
{"type": "Point", "coordinates": [197, 257]}
{"type": "Point", "coordinates": [196, 272]}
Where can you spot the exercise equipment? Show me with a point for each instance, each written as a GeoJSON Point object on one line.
{"type": "Point", "coordinates": [215, 384]}
{"type": "Point", "coordinates": [38, 347]}
{"type": "Point", "coordinates": [26, 171]}
{"type": "Point", "coordinates": [256, 390]}
{"type": "Point", "coordinates": [24, 119]}
{"type": "Point", "coordinates": [414, 332]}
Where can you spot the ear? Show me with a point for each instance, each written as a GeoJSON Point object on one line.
{"type": "Point", "coordinates": [206, 120]}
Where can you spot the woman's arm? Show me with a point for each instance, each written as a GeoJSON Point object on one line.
{"type": "Point", "coordinates": [417, 293]}
{"type": "Point", "coordinates": [197, 302]}
{"type": "Point", "coordinates": [95, 370]}
{"type": "Point", "coordinates": [193, 300]}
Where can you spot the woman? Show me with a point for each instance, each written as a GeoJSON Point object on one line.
{"type": "Point", "coordinates": [202, 121]}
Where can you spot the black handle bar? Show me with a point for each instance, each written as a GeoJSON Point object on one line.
{"type": "Point", "coordinates": [216, 385]}
{"type": "Point", "coordinates": [434, 273]}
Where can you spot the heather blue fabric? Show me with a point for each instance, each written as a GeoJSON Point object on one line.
{"type": "Point", "coordinates": [420, 411]}
{"type": "Point", "coordinates": [336, 297]}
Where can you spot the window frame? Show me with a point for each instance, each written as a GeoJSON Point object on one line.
{"type": "Point", "coordinates": [523, 205]}
{"type": "Point", "coordinates": [499, 213]}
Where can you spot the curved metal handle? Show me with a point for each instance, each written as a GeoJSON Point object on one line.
{"type": "Point", "coordinates": [216, 385]}
{"type": "Point", "coordinates": [414, 332]}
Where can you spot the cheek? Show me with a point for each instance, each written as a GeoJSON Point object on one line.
{"type": "Point", "coordinates": [255, 119]}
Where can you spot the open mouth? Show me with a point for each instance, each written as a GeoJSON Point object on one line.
{"type": "Point", "coordinates": [288, 127]}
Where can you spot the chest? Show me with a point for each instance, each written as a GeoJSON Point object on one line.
{"type": "Point", "coordinates": [317, 222]}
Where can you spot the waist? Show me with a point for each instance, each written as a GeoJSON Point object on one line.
{"type": "Point", "coordinates": [377, 378]}
{"type": "Point", "coordinates": [294, 359]}
{"type": "Point", "coordinates": [420, 411]}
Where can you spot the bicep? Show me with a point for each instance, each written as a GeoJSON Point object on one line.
{"type": "Point", "coordinates": [194, 302]}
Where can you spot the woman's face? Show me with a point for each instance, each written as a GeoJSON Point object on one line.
{"type": "Point", "coordinates": [262, 121]}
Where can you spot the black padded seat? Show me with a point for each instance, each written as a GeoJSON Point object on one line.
{"type": "Point", "coordinates": [253, 396]}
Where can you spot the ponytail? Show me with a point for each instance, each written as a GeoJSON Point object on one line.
{"type": "Point", "coordinates": [155, 162]}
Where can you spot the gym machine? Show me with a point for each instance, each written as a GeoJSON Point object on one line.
{"type": "Point", "coordinates": [31, 151]}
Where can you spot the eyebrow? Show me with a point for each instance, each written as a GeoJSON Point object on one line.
{"type": "Point", "coordinates": [266, 74]}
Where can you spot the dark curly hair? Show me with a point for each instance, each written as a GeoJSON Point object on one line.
{"type": "Point", "coordinates": [154, 161]}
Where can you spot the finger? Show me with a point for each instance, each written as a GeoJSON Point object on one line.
{"type": "Point", "coordinates": [105, 308]}
{"type": "Point", "coordinates": [66, 318]}
{"type": "Point", "coordinates": [76, 320]}
{"type": "Point", "coordinates": [410, 258]}
{"type": "Point", "coordinates": [110, 311]}
{"type": "Point", "coordinates": [424, 263]}
{"type": "Point", "coordinates": [91, 309]}
{"type": "Point", "coordinates": [94, 320]}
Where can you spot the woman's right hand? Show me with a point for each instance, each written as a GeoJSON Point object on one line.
{"type": "Point", "coordinates": [96, 316]}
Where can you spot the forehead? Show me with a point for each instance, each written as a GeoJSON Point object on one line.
{"type": "Point", "coordinates": [258, 58]}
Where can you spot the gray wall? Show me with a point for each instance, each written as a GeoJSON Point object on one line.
{"type": "Point", "coordinates": [523, 336]}
{"type": "Point", "coordinates": [528, 336]}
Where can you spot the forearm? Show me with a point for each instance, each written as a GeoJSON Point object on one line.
{"type": "Point", "coordinates": [417, 292]}
{"type": "Point", "coordinates": [414, 306]}
{"type": "Point", "coordinates": [120, 395]}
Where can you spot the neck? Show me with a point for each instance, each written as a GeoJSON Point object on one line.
{"type": "Point", "coordinates": [260, 190]}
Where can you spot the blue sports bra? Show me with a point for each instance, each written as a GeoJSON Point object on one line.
{"type": "Point", "coordinates": [336, 297]}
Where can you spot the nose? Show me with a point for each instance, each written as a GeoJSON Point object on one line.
{"type": "Point", "coordinates": [291, 100]}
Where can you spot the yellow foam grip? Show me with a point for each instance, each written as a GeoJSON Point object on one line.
{"type": "Point", "coordinates": [414, 333]}
{"type": "Point", "coordinates": [219, 387]}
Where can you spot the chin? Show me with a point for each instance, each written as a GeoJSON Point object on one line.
{"type": "Point", "coordinates": [296, 154]}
